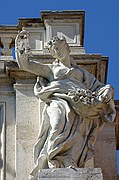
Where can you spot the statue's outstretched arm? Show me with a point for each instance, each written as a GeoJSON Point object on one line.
{"type": "Point", "coordinates": [23, 54]}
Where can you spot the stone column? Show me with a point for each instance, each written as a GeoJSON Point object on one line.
{"type": "Point", "coordinates": [27, 126]}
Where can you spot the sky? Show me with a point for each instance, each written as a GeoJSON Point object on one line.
{"type": "Point", "coordinates": [101, 26]}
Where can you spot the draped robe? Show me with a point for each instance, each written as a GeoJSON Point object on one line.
{"type": "Point", "coordinates": [68, 140]}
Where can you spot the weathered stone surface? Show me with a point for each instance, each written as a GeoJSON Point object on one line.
{"type": "Point", "coordinates": [7, 130]}
{"type": "Point", "coordinates": [27, 117]}
{"type": "Point", "coordinates": [70, 174]}
{"type": "Point", "coordinates": [105, 156]}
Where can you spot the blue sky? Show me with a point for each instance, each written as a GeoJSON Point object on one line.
{"type": "Point", "coordinates": [101, 25]}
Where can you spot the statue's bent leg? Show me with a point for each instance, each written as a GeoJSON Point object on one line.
{"type": "Point", "coordinates": [56, 113]}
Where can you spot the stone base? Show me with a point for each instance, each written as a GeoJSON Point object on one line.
{"type": "Point", "coordinates": [70, 174]}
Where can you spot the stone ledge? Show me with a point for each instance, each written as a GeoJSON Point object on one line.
{"type": "Point", "coordinates": [23, 86]}
{"type": "Point", "coordinates": [6, 58]}
{"type": "Point", "coordinates": [70, 174]}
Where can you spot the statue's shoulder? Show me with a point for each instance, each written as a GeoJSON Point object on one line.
{"type": "Point", "coordinates": [78, 68]}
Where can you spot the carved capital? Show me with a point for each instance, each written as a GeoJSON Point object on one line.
{"type": "Point", "coordinates": [6, 41]}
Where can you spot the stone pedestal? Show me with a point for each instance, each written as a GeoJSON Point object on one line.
{"type": "Point", "coordinates": [70, 174]}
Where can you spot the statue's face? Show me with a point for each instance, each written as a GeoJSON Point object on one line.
{"type": "Point", "coordinates": [59, 49]}
{"type": "Point", "coordinates": [23, 42]}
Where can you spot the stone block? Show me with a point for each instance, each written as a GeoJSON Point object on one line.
{"type": "Point", "coordinates": [70, 174]}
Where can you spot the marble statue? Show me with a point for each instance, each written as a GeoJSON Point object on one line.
{"type": "Point", "coordinates": [76, 107]}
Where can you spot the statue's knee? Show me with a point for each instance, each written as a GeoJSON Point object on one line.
{"type": "Point", "coordinates": [55, 109]}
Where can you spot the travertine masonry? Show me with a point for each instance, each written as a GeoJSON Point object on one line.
{"type": "Point", "coordinates": [70, 174]}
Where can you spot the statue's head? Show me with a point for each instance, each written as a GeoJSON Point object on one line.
{"type": "Point", "coordinates": [58, 47]}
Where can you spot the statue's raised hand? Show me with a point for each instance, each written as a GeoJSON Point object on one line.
{"type": "Point", "coordinates": [22, 43]}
